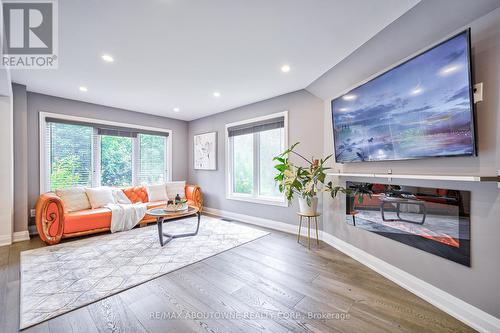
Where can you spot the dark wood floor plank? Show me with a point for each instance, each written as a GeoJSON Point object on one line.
{"type": "Point", "coordinates": [293, 320]}
{"type": "Point", "coordinates": [375, 294]}
{"type": "Point", "coordinates": [12, 311]}
{"type": "Point", "coordinates": [341, 302]}
{"type": "Point", "coordinates": [222, 302]}
{"type": "Point", "coordinates": [269, 286]}
{"type": "Point", "coordinates": [77, 321]}
{"type": "Point", "coordinates": [287, 267]}
{"type": "Point", "coordinates": [159, 310]}
{"type": "Point", "coordinates": [4, 255]}
{"type": "Point", "coordinates": [343, 321]}
{"type": "Point", "coordinates": [189, 306]}
{"type": "Point", "coordinates": [113, 315]}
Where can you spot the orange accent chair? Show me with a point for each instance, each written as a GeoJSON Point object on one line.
{"type": "Point", "coordinates": [53, 223]}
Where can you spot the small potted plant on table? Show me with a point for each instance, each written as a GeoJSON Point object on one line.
{"type": "Point", "coordinates": [304, 181]}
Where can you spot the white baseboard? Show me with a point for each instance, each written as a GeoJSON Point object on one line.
{"type": "Point", "coordinates": [20, 236]}
{"type": "Point", "coordinates": [5, 240]}
{"type": "Point", "coordinates": [463, 311]}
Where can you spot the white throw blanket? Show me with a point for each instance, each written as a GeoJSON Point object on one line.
{"type": "Point", "coordinates": [126, 216]}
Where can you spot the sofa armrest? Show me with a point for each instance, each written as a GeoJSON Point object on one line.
{"type": "Point", "coordinates": [193, 193]}
{"type": "Point", "coordinates": [50, 218]}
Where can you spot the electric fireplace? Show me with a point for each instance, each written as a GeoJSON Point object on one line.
{"type": "Point", "coordinates": [434, 220]}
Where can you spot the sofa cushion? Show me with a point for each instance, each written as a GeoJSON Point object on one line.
{"type": "Point", "coordinates": [74, 198]}
{"type": "Point", "coordinates": [157, 192]}
{"type": "Point", "coordinates": [136, 194]}
{"type": "Point", "coordinates": [120, 197]}
{"type": "Point", "coordinates": [100, 196]}
{"type": "Point", "coordinates": [88, 219]}
{"type": "Point", "coordinates": [174, 188]}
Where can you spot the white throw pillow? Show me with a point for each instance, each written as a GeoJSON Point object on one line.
{"type": "Point", "coordinates": [120, 197]}
{"type": "Point", "coordinates": [74, 199]}
{"type": "Point", "coordinates": [157, 193]}
{"type": "Point", "coordinates": [174, 188]}
{"type": "Point", "coordinates": [100, 196]}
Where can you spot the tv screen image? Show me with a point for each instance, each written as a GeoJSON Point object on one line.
{"type": "Point", "coordinates": [421, 108]}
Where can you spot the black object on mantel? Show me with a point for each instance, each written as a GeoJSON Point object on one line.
{"type": "Point", "coordinates": [177, 198]}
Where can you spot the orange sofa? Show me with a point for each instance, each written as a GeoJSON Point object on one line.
{"type": "Point", "coordinates": [53, 223]}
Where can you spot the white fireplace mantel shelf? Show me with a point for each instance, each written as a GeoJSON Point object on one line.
{"type": "Point", "coordinates": [423, 177]}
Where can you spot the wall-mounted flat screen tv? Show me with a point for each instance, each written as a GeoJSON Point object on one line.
{"type": "Point", "coordinates": [421, 108]}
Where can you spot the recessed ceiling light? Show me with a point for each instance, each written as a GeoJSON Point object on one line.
{"type": "Point", "coordinates": [216, 94]}
{"type": "Point", "coordinates": [349, 97]}
{"type": "Point", "coordinates": [84, 89]}
{"type": "Point", "coordinates": [107, 58]}
{"type": "Point", "coordinates": [176, 109]}
{"type": "Point", "coordinates": [285, 68]}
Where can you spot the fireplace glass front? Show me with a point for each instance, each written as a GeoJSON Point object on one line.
{"type": "Point", "coordinates": [435, 220]}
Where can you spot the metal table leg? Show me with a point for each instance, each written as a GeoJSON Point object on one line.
{"type": "Point", "coordinates": [169, 237]}
{"type": "Point", "coordinates": [317, 233]}
{"type": "Point", "coordinates": [300, 226]}
{"type": "Point", "coordinates": [308, 232]}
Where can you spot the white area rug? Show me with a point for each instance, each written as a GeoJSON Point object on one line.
{"type": "Point", "coordinates": [60, 278]}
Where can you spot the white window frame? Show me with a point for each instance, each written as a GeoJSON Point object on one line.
{"type": "Point", "coordinates": [45, 163]}
{"type": "Point", "coordinates": [255, 197]}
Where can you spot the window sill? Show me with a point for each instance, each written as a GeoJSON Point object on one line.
{"type": "Point", "coordinates": [271, 202]}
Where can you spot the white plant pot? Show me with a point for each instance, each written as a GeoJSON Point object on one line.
{"type": "Point", "coordinates": [304, 208]}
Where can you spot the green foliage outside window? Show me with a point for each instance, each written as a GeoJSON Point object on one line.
{"type": "Point", "coordinates": [243, 163]}
{"type": "Point", "coordinates": [116, 161]}
{"type": "Point", "coordinates": [70, 155]}
{"type": "Point", "coordinates": [152, 161]}
{"type": "Point", "coordinates": [70, 146]}
{"type": "Point", "coordinates": [63, 174]}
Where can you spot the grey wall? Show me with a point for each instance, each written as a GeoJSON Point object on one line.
{"type": "Point", "coordinates": [21, 210]}
{"type": "Point", "coordinates": [422, 26]}
{"type": "Point", "coordinates": [305, 124]}
{"type": "Point", "coordinates": [43, 103]}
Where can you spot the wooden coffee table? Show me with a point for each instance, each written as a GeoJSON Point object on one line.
{"type": "Point", "coordinates": [162, 215]}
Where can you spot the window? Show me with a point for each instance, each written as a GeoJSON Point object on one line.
{"type": "Point", "coordinates": [152, 159]}
{"type": "Point", "coordinates": [251, 146]}
{"type": "Point", "coordinates": [116, 160]}
{"type": "Point", "coordinates": [75, 152]}
{"type": "Point", "coordinates": [69, 148]}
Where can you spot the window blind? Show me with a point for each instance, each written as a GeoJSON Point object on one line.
{"type": "Point", "coordinates": [68, 150]}
{"type": "Point", "coordinates": [87, 154]}
{"type": "Point", "coordinates": [259, 126]}
{"type": "Point", "coordinates": [107, 129]}
{"type": "Point", "coordinates": [152, 160]}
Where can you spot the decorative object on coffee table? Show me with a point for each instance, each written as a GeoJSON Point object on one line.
{"type": "Point", "coordinates": [306, 181]}
{"type": "Point", "coordinates": [163, 215]}
{"type": "Point", "coordinates": [177, 205]}
{"type": "Point", "coordinates": [205, 151]}
{"type": "Point", "coordinates": [309, 217]}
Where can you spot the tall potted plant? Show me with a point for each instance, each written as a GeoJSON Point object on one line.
{"type": "Point", "coordinates": [304, 181]}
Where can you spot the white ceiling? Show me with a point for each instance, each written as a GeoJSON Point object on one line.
{"type": "Point", "coordinates": [176, 53]}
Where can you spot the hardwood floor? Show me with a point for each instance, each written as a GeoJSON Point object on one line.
{"type": "Point", "coordinates": [271, 284]}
